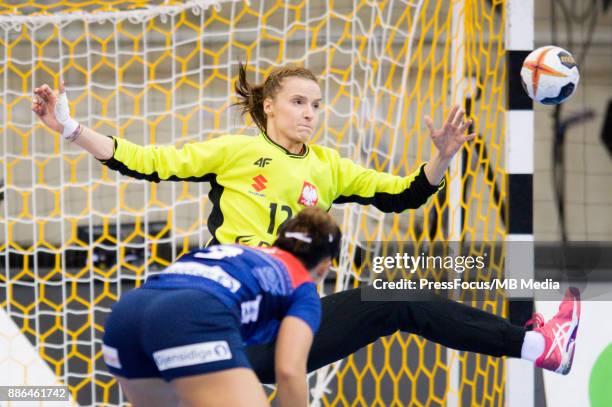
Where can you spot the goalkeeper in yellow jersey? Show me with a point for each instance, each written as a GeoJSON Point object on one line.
{"type": "Point", "coordinates": [259, 182]}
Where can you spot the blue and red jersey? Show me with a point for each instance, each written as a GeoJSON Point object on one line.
{"type": "Point", "coordinates": [262, 284]}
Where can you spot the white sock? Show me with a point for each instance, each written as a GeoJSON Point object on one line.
{"type": "Point", "coordinates": [533, 346]}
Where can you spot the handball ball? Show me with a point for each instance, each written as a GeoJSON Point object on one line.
{"type": "Point", "coordinates": [550, 75]}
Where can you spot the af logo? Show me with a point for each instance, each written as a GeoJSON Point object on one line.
{"type": "Point", "coordinates": [309, 195]}
{"type": "Point", "coordinates": [262, 162]}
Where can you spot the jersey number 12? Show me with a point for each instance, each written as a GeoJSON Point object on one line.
{"type": "Point", "coordinates": [273, 208]}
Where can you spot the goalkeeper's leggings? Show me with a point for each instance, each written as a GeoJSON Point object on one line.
{"type": "Point", "coordinates": [348, 324]}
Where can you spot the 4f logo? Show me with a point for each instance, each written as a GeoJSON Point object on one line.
{"type": "Point", "coordinates": [262, 162]}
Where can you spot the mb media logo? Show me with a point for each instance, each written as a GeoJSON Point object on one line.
{"type": "Point", "coordinates": [260, 183]}
{"type": "Point", "coordinates": [262, 162]}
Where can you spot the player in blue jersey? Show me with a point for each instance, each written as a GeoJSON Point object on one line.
{"type": "Point", "coordinates": [182, 336]}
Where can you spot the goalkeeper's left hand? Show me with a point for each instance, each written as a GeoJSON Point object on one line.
{"type": "Point", "coordinates": [449, 139]}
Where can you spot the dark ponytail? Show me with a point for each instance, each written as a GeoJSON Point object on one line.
{"type": "Point", "coordinates": [250, 99]}
{"type": "Point", "coordinates": [311, 236]}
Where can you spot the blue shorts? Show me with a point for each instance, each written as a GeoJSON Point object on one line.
{"type": "Point", "coordinates": [172, 333]}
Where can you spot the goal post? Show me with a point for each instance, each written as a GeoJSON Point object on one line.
{"type": "Point", "coordinates": [74, 235]}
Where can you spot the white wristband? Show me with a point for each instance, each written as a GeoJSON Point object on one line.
{"type": "Point", "coordinates": [62, 114]}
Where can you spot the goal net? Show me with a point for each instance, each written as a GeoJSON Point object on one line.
{"type": "Point", "coordinates": [74, 235]}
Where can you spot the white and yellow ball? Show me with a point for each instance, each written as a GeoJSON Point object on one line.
{"type": "Point", "coordinates": [550, 75]}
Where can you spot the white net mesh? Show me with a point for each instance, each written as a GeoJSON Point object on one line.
{"type": "Point", "coordinates": [75, 235]}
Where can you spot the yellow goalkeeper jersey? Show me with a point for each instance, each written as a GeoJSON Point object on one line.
{"type": "Point", "coordinates": [257, 184]}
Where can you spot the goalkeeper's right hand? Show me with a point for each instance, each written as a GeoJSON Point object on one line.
{"type": "Point", "coordinates": [52, 108]}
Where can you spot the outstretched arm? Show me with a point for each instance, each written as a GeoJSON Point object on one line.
{"type": "Point", "coordinates": [392, 193]}
{"type": "Point", "coordinates": [447, 140]}
{"type": "Point", "coordinates": [52, 109]}
{"type": "Point", "coordinates": [194, 162]}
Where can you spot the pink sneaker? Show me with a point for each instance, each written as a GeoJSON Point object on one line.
{"type": "Point", "coordinates": [559, 334]}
